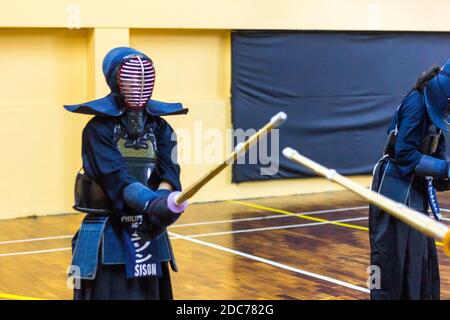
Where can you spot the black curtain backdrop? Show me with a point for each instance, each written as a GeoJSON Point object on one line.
{"type": "Point", "coordinates": [340, 91]}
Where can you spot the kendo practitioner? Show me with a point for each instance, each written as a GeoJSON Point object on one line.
{"type": "Point", "coordinates": [414, 166]}
{"type": "Point", "coordinates": [122, 249]}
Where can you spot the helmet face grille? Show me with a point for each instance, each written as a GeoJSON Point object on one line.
{"type": "Point", "coordinates": [136, 78]}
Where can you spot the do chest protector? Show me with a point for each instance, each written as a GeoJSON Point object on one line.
{"type": "Point", "coordinates": [140, 156]}
{"type": "Point", "coordinates": [428, 146]}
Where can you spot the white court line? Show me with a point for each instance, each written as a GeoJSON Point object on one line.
{"type": "Point", "coordinates": [306, 213]}
{"type": "Point", "coordinates": [175, 237]}
{"type": "Point", "coordinates": [273, 263]}
{"type": "Point", "coordinates": [33, 252]}
{"type": "Point", "coordinates": [206, 223]}
{"type": "Point", "coordinates": [239, 253]}
{"type": "Point", "coordinates": [36, 239]}
{"type": "Point", "coordinates": [218, 222]}
{"type": "Point", "coordinates": [271, 228]}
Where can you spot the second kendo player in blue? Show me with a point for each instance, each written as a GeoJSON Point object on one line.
{"type": "Point", "coordinates": [122, 250]}
{"type": "Point", "coordinates": [414, 165]}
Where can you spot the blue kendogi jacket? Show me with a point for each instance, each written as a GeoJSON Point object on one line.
{"type": "Point", "coordinates": [412, 122]}
{"type": "Point", "coordinates": [103, 162]}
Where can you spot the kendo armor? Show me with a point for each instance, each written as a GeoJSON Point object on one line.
{"type": "Point", "coordinates": [428, 146]}
{"type": "Point", "coordinates": [140, 156]}
{"type": "Point", "coordinates": [130, 75]}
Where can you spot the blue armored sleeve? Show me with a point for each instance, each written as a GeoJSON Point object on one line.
{"type": "Point", "coordinates": [432, 167]}
{"type": "Point", "coordinates": [442, 184]}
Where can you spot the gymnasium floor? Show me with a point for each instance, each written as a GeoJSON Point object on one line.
{"type": "Point", "coordinates": [252, 249]}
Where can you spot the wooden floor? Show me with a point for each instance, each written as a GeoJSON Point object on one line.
{"type": "Point", "coordinates": [253, 249]}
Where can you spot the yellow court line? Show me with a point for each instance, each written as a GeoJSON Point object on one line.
{"type": "Point", "coordinates": [299, 215]}
{"type": "Point", "coordinates": [302, 216]}
{"type": "Point", "coordinates": [17, 297]}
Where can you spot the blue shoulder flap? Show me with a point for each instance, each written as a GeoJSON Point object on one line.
{"type": "Point", "coordinates": [108, 106]}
